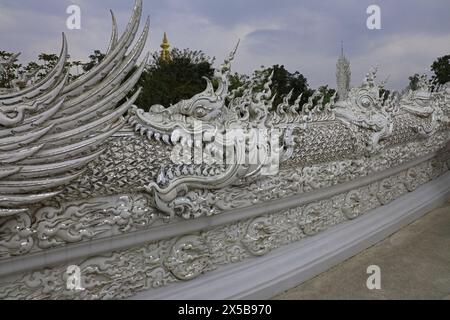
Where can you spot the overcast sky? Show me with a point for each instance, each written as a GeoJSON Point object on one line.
{"type": "Point", "coordinates": [302, 35]}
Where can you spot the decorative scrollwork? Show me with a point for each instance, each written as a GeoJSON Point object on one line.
{"type": "Point", "coordinates": [125, 272]}
{"type": "Point", "coordinates": [188, 258]}
{"type": "Point", "coordinates": [259, 238]}
{"type": "Point", "coordinates": [73, 170]}
{"type": "Point", "coordinates": [365, 108]}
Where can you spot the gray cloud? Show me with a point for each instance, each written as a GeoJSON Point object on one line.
{"type": "Point", "coordinates": [302, 35]}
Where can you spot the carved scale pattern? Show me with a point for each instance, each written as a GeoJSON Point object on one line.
{"type": "Point", "coordinates": [403, 130]}
{"type": "Point", "coordinates": [74, 221]}
{"type": "Point", "coordinates": [309, 144]}
{"type": "Point", "coordinates": [128, 164]}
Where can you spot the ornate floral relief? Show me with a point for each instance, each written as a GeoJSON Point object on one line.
{"type": "Point", "coordinates": [259, 238]}
{"type": "Point", "coordinates": [78, 221]}
{"type": "Point", "coordinates": [102, 276]}
{"type": "Point", "coordinates": [360, 200]}
{"type": "Point", "coordinates": [73, 169]}
{"type": "Point", "coordinates": [352, 204]}
{"type": "Point", "coordinates": [391, 188]}
{"type": "Point", "coordinates": [73, 223]}
{"type": "Point", "coordinates": [437, 166]}
{"type": "Point", "coordinates": [50, 227]}
{"type": "Point", "coordinates": [123, 273]}
{"type": "Point", "coordinates": [318, 216]}
{"type": "Point", "coordinates": [225, 243]}
{"type": "Point", "coordinates": [363, 126]}
{"type": "Point", "coordinates": [293, 180]}
{"type": "Point", "coordinates": [16, 235]}
{"type": "Point", "coordinates": [188, 258]}
{"type": "Point", "coordinates": [416, 176]}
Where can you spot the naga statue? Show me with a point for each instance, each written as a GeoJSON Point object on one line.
{"type": "Point", "coordinates": [138, 200]}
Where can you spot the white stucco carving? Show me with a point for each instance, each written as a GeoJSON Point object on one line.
{"type": "Point", "coordinates": [79, 170]}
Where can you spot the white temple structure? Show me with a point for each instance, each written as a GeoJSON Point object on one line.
{"type": "Point", "coordinates": [93, 205]}
{"type": "Point", "coordinates": [343, 75]}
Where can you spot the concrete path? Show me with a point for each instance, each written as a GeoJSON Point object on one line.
{"type": "Point", "coordinates": [414, 264]}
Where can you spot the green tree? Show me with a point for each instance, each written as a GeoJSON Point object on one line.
{"type": "Point", "coordinates": [10, 71]}
{"type": "Point", "coordinates": [284, 81]}
{"type": "Point", "coordinates": [414, 81]}
{"type": "Point", "coordinates": [31, 66]}
{"type": "Point", "coordinates": [441, 69]}
{"type": "Point", "coordinates": [95, 59]}
{"type": "Point", "coordinates": [45, 64]}
{"type": "Point", "coordinates": [167, 82]}
{"type": "Point", "coordinates": [49, 61]}
{"type": "Point", "coordinates": [237, 80]}
{"type": "Point", "coordinates": [327, 93]}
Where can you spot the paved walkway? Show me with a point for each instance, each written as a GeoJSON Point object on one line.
{"type": "Point", "coordinates": [414, 264]}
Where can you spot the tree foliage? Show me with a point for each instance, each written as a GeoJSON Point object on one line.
{"type": "Point", "coordinates": [414, 82]}
{"type": "Point", "coordinates": [10, 72]}
{"type": "Point", "coordinates": [441, 69]}
{"type": "Point", "coordinates": [44, 64]}
{"type": "Point", "coordinates": [167, 82]}
{"type": "Point", "coordinates": [327, 93]}
{"type": "Point", "coordinates": [441, 74]}
{"type": "Point", "coordinates": [283, 82]}
{"type": "Point", "coordinates": [237, 80]}
{"type": "Point", "coordinates": [94, 59]}
{"type": "Point", "coordinates": [49, 61]}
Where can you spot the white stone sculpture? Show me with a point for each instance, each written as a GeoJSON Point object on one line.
{"type": "Point", "coordinates": [87, 178]}
{"type": "Point", "coordinates": [343, 75]}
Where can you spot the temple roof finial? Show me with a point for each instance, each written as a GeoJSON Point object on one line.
{"type": "Point", "coordinates": [165, 53]}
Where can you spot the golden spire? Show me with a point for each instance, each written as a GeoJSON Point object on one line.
{"type": "Point", "coordinates": [165, 53]}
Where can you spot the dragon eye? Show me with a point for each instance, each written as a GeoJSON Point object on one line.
{"type": "Point", "coordinates": [200, 111]}
{"type": "Point", "coordinates": [365, 102]}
